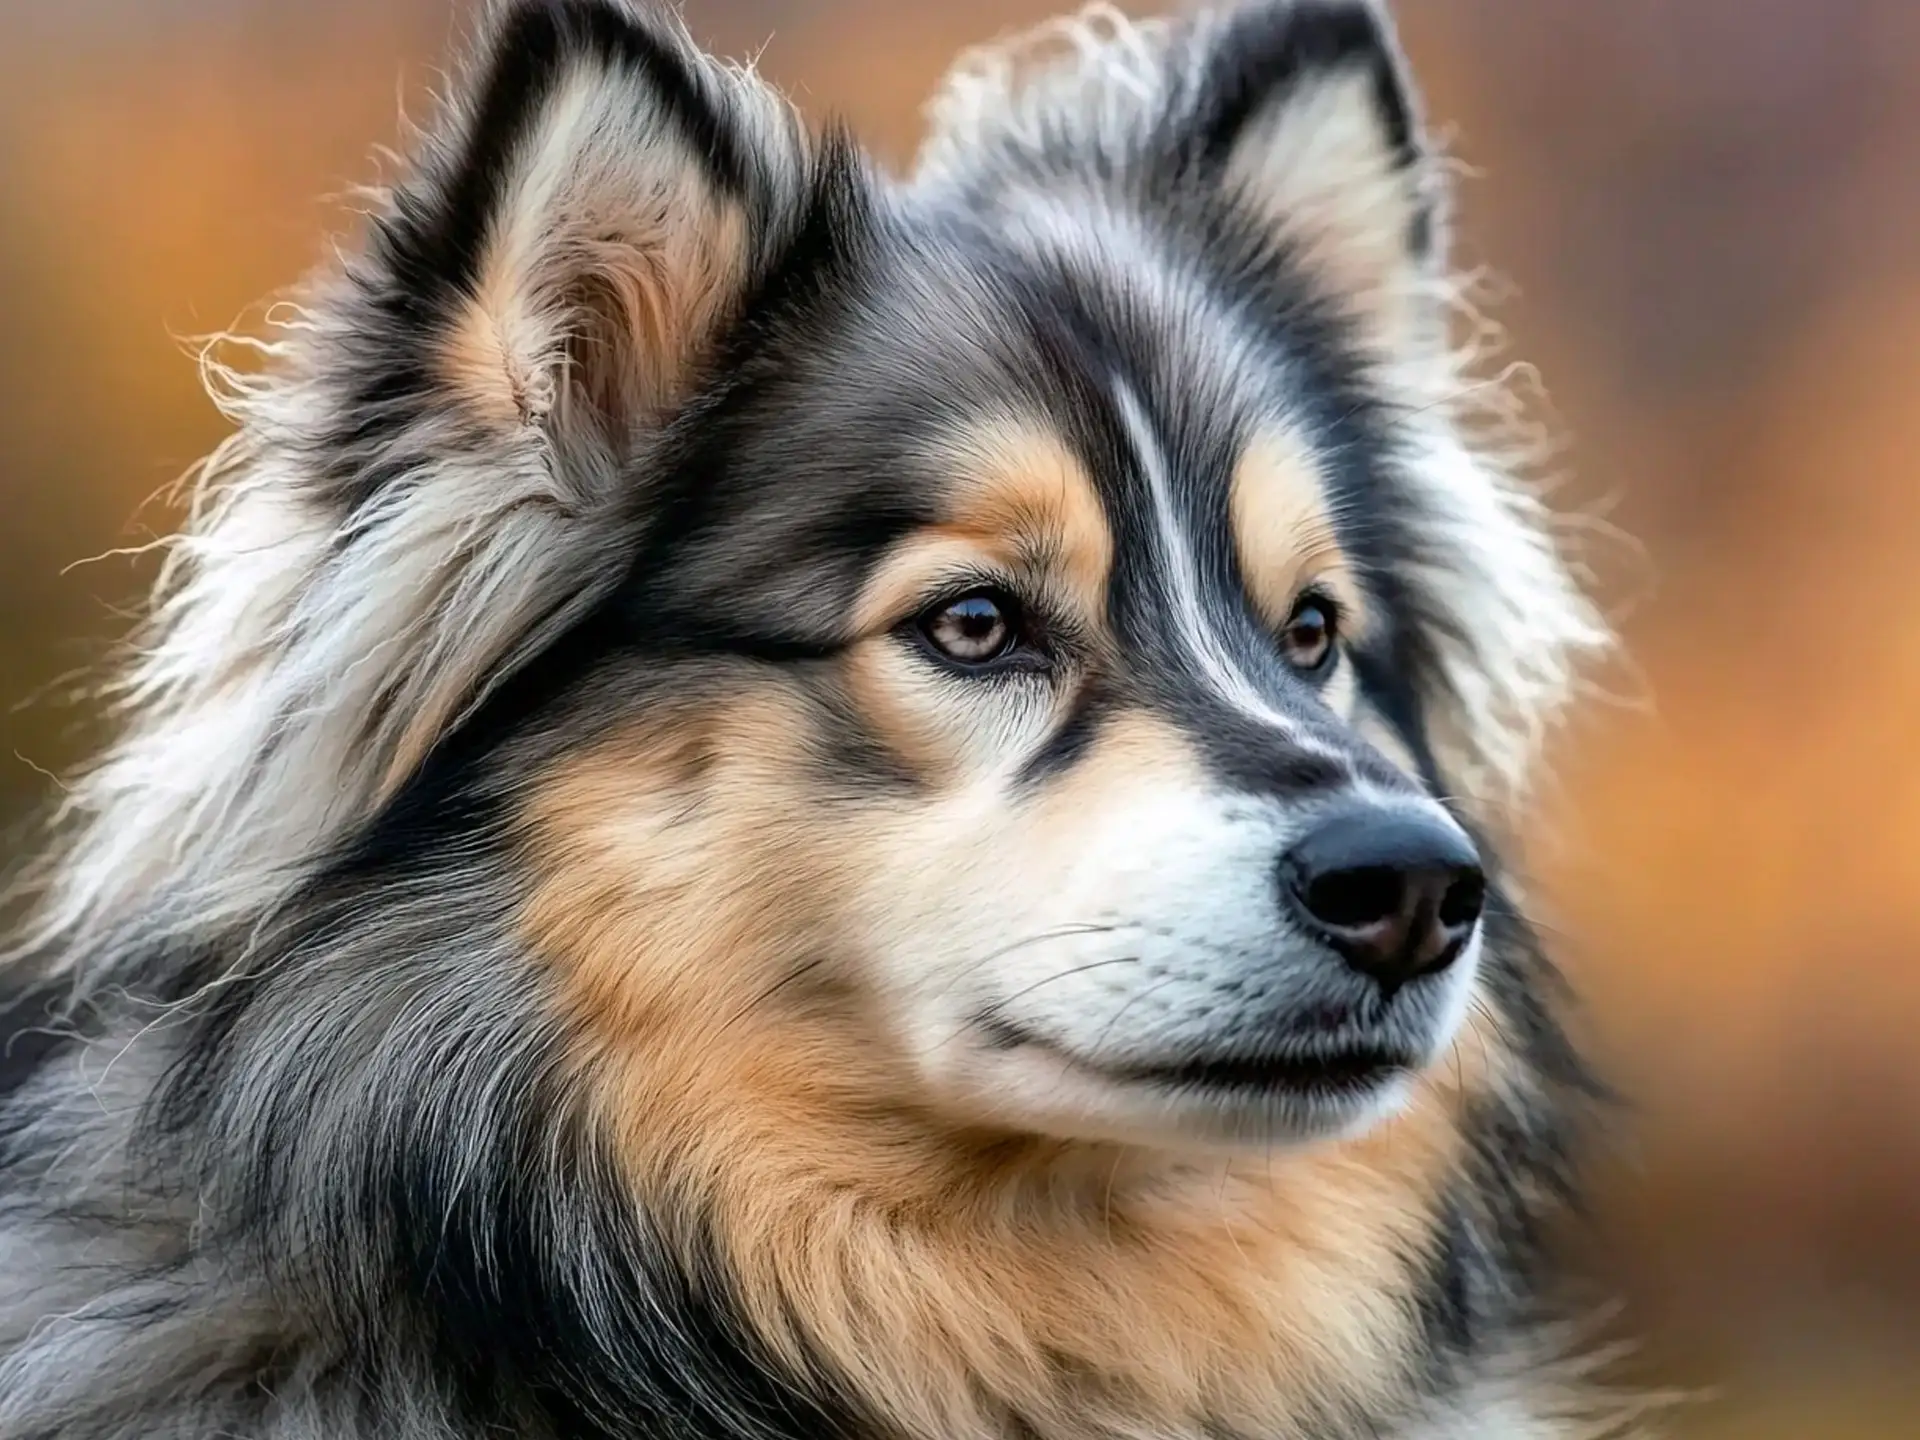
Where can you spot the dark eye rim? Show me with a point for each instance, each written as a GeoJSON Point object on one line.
{"type": "Point", "coordinates": [1330, 608]}
{"type": "Point", "coordinates": [1024, 649]}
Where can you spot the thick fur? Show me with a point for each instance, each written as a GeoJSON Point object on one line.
{"type": "Point", "coordinates": [553, 950]}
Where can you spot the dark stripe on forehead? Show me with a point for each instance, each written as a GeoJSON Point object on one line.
{"type": "Point", "coordinates": [1069, 353]}
{"type": "Point", "coordinates": [1093, 339]}
{"type": "Point", "coordinates": [1178, 516]}
{"type": "Point", "coordinates": [1192, 649]}
{"type": "Point", "coordinates": [1186, 608]}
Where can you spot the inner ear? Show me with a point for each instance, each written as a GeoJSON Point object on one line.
{"type": "Point", "coordinates": [1307, 116]}
{"type": "Point", "coordinates": [576, 230]}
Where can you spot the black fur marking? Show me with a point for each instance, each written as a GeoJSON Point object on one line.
{"type": "Point", "coordinates": [1245, 755]}
{"type": "Point", "coordinates": [1449, 1308]}
{"type": "Point", "coordinates": [1485, 1276]}
{"type": "Point", "coordinates": [597, 1331]}
{"type": "Point", "coordinates": [845, 751]}
{"type": "Point", "coordinates": [1385, 674]}
{"type": "Point", "coordinates": [1073, 737]}
{"type": "Point", "coordinates": [821, 255]}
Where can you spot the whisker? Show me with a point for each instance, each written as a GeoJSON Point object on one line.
{"type": "Point", "coordinates": [793, 976]}
{"type": "Point", "coordinates": [1060, 932]}
{"type": "Point", "coordinates": [1007, 1000]}
{"type": "Point", "coordinates": [807, 967]}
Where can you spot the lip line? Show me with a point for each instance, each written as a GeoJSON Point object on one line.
{"type": "Point", "coordinates": [1335, 1074]}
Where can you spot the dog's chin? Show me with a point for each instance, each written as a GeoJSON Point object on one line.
{"type": "Point", "coordinates": [1227, 1101]}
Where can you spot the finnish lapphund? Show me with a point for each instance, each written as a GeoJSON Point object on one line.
{"type": "Point", "coordinates": [768, 802]}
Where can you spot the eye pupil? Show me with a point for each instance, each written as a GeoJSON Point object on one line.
{"type": "Point", "coordinates": [976, 617]}
{"type": "Point", "coordinates": [1308, 637]}
{"type": "Point", "coordinates": [973, 630]}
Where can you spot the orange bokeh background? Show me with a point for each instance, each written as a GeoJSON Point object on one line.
{"type": "Point", "coordinates": [1709, 216]}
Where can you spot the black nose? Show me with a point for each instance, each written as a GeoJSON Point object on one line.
{"type": "Point", "coordinates": [1395, 892]}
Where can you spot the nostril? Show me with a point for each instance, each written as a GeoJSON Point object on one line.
{"type": "Point", "coordinates": [1354, 899]}
{"type": "Point", "coordinates": [1463, 901]}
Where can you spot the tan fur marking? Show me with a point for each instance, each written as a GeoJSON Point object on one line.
{"type": "Point", "coordinates": [907, 579]}
{"type": "Point", "coordinates": [1283, 530]}
{"type": "Point", "coordinates": [685, 888]}
{"type": "Point", "coordinates": [1018, 499]}
{"type": "Point", "coordinates": [475, 365]}
{"type": "Point", "coordinates": [1022, 480]}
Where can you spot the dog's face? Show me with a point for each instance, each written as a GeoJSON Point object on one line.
{"type": "Point", "coordinates": [1012, 607]}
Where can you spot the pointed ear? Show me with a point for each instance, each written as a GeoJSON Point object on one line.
{"type": "Point", "coordinates": [1307, 110]}
{"type": "Point", "coordinates": [534, 303]}
{"type": "Point", "coordinates": [1307, 115]}
{"type": "Point", "coordinates": [1299, 110]}
{"type": "Point", "coordinates": [440, 467]}
{"type": "Point", "coordinates": [575, 230]}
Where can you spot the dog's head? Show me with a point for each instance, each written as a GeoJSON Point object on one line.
{"type": "Point", "coordinates": [1062, 598]}
{"type": "Point", "coordinates": [1050, 604]}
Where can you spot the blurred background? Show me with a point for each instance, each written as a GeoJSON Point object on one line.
{"type": "Point", "coordinates": [1708, 216]}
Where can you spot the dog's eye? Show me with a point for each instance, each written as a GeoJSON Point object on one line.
{"type": "Point", "coordinates": [1308, 637]}
{"type": "Point", "coordinates": [976, 629]}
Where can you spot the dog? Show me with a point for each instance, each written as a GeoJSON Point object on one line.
{"type": "Point", "coordinates": [764, 801]}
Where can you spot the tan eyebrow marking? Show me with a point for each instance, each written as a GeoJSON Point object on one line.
{"type": "Point", "coordinates": [1283, 529]}
{"type": "Point", "coordinates": [1018, 497]}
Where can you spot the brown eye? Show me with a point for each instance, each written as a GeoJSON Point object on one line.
{"type": "Point", "coordinates": [973, 630]}
{"type": "Point", "coordinates": [1307, 640]}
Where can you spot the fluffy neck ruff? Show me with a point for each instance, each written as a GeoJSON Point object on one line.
{"type": "Point", "coordinates": [965, 1284]}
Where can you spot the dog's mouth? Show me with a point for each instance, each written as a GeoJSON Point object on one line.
{"type": "Point", "coordinates": [1331, 1073]}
